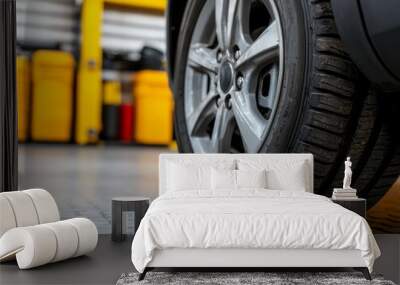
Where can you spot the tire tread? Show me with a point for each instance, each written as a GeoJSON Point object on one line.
{"type": "Point", "coordinates": [334, 87]}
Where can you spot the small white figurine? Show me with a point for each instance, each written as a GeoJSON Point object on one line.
{"type": "Point", "coordinates": [347, 174]}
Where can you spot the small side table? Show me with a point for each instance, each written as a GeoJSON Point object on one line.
{"type": "Point", "coordinates": [139, 205]}
{"type": "Point", "coordinates": [357, 205]}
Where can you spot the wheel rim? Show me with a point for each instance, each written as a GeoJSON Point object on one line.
{"type": "Point", "coordinates": [233, 75]}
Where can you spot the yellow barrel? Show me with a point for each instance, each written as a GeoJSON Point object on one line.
{"type": "Point", "coordinates": [112, 93]}
{"type": "Point", "coordinates": [154, 108]}
{"type": "Point", "coordinates": [151, 78]}
{"type": "Point", "coordinates": [52, 98]}
{"type": "Point", "coordinates": [23, 96]}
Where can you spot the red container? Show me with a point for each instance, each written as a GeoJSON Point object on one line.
{"type": "Point", "coordinates": [126, 122]}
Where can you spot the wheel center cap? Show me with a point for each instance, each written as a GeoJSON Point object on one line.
{"type": "Point", "coordinates": [226, 76]}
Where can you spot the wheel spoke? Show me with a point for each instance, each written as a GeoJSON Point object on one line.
{"type": "Point", "coordinates": [252, 125]}
{"type": "Point", "coordinates": [241, 30]}
{"type": "Point", "coordinates": [223, 130]}
{"type": "Point", "coordinates": [264, 48]}
{"type": "Point", "coordinates": [198, 120]}
{"type": "Point", "coordinates": [225, 11]}
{"type": "Point", "coordinates": [203, 58]}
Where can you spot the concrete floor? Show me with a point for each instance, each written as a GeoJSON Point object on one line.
{"type": "Point", "coordinates": [110, 259]}
{"type": "Point", "coordinates": [102, 266]}
{"type": "Point", "coordinates": [84, 179]}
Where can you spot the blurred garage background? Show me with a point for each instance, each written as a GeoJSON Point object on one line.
{"type": "Point", "coordinates": [94, 105]}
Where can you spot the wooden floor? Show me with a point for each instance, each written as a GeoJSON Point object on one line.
{"type": "Point", "coordinates": [103, 266]}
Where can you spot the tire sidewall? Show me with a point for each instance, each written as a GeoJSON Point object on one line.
{"type": "Point", "coordinates": [189, 20]}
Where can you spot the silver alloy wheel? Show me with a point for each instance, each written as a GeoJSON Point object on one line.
{"type": "Point", "coordinates": [233, 78]}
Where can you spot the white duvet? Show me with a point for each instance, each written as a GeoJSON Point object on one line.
{"type": "Point", "coordinates": [250, 219]}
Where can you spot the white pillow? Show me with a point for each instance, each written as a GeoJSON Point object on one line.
{"type": "Point", "coordinates": [193, 175]}
{"type": "Point", "coordinates": [287, 174]}
{"type": "Point", "coordinates": [223, 179]}
{"type": "Point", "coordinates": [251, 178]}
{"type": "Point", "coordinates": [291, 181]}
{"type": "Point", "coordinates": [226, 179]}
{"type": "Point", "coordinates": [187, 177]}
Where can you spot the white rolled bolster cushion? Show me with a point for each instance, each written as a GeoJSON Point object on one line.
{"type": "Point", "coordinates": [26, 208]}
{"type": "Point", "coordinates": [45, 243]}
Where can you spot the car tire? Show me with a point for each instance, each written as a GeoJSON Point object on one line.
{"type": "Point", "coordinates": [374, 149]}
{"type": "Point", "coordinates": [322, 95]}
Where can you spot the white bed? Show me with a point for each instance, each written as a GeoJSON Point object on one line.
{"type": "Point", "coordinates": [248, 227]}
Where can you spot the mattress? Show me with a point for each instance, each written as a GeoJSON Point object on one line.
{"type": "Point", "coordinates": [251, 219]}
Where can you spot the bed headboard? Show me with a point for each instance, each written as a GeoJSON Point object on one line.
{"type": "Point", "coordinates": [209, 158]}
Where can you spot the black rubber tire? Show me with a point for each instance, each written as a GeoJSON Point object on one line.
{"type": "Point", "coordinates": [362, 140]}
{"type": "Point", "coordinates": [335, 92]}
{"type": "Point", "coordinates": [322, 93]}
{"type": "Point", "coordinates": [381, 164]}
{"type": "Point", "coordinates": [374, 150]}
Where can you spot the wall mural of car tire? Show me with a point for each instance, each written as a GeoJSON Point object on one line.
{"type": "Point", "coordinates": [275, 76]}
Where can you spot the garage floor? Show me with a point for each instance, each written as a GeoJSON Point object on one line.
{"type": "Point", "coordinates": [102, 266]}
{"type": "Point", "coordinates": [110, 259]}
{"type": "Point", "coordinates": [84, 179]}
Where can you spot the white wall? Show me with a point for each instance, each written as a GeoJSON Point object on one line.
{"type": "Point", "coordinates": [48, 21]}
{"type": "Point", "coordinates": [128, 30]}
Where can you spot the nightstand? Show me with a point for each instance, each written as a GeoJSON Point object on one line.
{"type": "Point", "coordinates": [124, 205]}
{"type": "Point", "coordinates": [357, 205]}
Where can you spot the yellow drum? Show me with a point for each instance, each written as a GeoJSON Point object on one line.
{"type": "Point", "coordinates": [52, 98]}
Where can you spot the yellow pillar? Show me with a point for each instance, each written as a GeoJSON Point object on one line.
{"type": "Point", "coordinates": [154, 5]}
{"type": "Point", "coordinates": [23, 96]}
{"type": "Point", "coordinates": [88, 108]}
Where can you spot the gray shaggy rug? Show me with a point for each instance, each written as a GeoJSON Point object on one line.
{"type": "Point", "coordinates": [273, 278]}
